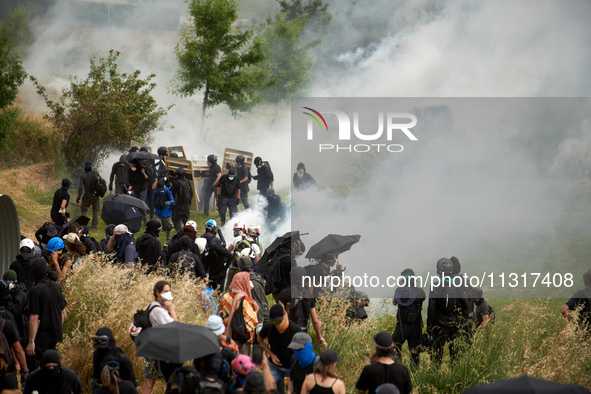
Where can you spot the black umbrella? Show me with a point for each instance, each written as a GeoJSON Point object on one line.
{"type": "Point", "coordinates": [527, 385]}
{"type": "Point", "coordinates": [82, 220]}
{"type": "Point", "coordinates": [283, 241]}
{"type": "Point", "coordinates": [332, 244]}
{"type": "Point", "coordinates": [176, 342]}
{"type": "Point", "coordinates": [123, 208]}
{"type": "Point", "coordinates": [142, 156]}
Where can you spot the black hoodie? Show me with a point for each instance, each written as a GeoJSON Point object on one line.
{"type": "Point", "coordinates": [22, 267]}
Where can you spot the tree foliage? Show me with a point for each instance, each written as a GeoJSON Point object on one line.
{"type": "Point", "coordinates": [103, 112]}
{"type": "Point", "coordinates": [12, 76]}
{"type": "Point", "coordinates": [217, 58]}
{"type": "Point", "coordinates": [315, 12]}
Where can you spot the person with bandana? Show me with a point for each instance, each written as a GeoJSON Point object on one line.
{"type": "Point", "coordinates": [46, 309]}
{"type": "Point", "coordinates": [303, 361]}
{"type": "Point", "coordinates": [123, 245]}
{"type": "Point", "coordinates": [61, 199]}
{"type": "Point", "coordinates": [105, 347]}
{"type": "Point", "coordinates": [275, 212]}
{"type": "Point", "coordinates": [301, 179]}
{"type": "Point", "coordinates": [279, 333]}
{"type": "Point", "coordinates": [52, 378]}
{"type": "Point", "coordinates": [148, 246]}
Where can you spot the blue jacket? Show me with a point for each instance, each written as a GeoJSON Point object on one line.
{"type": "Point", "coordinates": [167, 210]}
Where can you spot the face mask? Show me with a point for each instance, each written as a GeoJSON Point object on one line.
{"type": "Point", "coordinates": [133, 169]}
{"type": "Point", "coordinates": [231, 178]}
{"type": "Point", "coordinates": [167, 296]}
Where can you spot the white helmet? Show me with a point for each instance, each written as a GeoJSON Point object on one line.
{"type": "Point", "coordinates": [192, 223]}
{"type": "Point", "coordinates": [201, 244]}
{"type": "Point", "coordinates": [239, 225]}
{"type": "Point", "coordinates": [27, 243]}
{"type": "Point", "coordinates": [247, 252]}
{"type": "Point", "coordinates": [254, 230]}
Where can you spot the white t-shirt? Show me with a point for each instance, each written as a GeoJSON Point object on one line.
{"type": "Point", "coordinates": [159, 316]}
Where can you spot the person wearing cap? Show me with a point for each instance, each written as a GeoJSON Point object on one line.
{"type": "Point", "coordinates": [264, 176]}
{"type": "Point", "coordinates": [123, 244]}
{"type": "Point", "coordinates": [484, 312]}
{"type": "Point", "coordinates": [46, 312]}
{"type": "Point", "coordinates": [279, 333]}
{"type": "Point", "coordinates": [119, 174]}
{"type": "Point", "coordinates": [383, 369]}
{"type": "Point", "coordinates": [22, 264]}
{"type": "Point", "coordinates": [303, 361]}
{"type": "Point", "coordinates": [301, 179]}
{"type": "Point", "coordinates": [85, 191]}
{"type": "Point", "coordinates": [105, 347]}
{"type": "Point", "coordinates": [245, 264]}
{"type": "Point", "coordinates": [229, 349]}
{"type": "Point", "coordinates": [148, 246]}
{"type": "Point", "coordinates": [211, 183]}
{"type": "Point", "coordinates": [275, 212]}
{"type": "Point", "coordinates": [61, 199]}
{"type": "Point", "coordinates": [228, 194]}
{"type": "Point", "coordinates": [409, 318]}
{"type": "Point", "coordinates": [162, 311]}
{"type": "Point", "coordinates": [217, 259]}
{"type": "Point", "coordinates": [163, 202]}
{"type": "Point", "coordinates": [52, 377]}
{"type": "Point", "coordinates": [325, 378]}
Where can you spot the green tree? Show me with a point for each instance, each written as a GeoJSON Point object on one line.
{"type": "Point", "coordinates": [103, 112]}
{"type": "Point", "coordinates": [12, 76]}
{"type": "Point", "coordinates": [313, 11]}
{"type": "Point", "coordinates": [218, 59]}
{"type": "Point", "coordinates": [287, 61]}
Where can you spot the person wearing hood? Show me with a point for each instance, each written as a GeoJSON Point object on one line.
{"type": "Point", "coordinates": [187, 262]}
{"type": "Point", "coordinates": [22, 264]}
{"type": "Point", "coordinates": [120, 173]}
{"type": "Point", "coordinates": [105, 348]}
{"type": "Point", "coordinates": [16, 301]}
{"type": "Point", "coordinates": [46, 309]}
{"type": "Point", "coordinates": [111, 379]}
{"type": "Point", "coordinates": [163, 201]}
{"type": "Point", "coordinates": [228, 193]}
{"type": "Point", "coordinates": [301, 179]}
{"type": "Point", "coordinates": [85, 191]}
{"type": "Point", "coordinates": [61, 199]}
{"type": "Point", "coordinates": [245, 264]}
{"type": "Point", "coordinates": [174, 245]}
{"type": "Point", "coordinates": [264, 176]}
{"type": "Point", "coordinates": [138, 180]}
{"type": "Point", "coordinates": [149, 247]}
{"type": "Point", "coordinates": [52, 377]}
{"type": "Point", "coordinates": [303, 361]}
{"type": "Point", "coordinates": [123, 245]}
{"type": "Point", "coordinates": [275, 212]}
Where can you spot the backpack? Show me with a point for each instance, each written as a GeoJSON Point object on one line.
{"type": "Point", "coordinates": [240, 246]}
{"type": "Point", "coordinates": [98, 187]}
{"type": "Point", "coordinates": [6, 360]}
{"type": "Point", "coordinates": [142, 317]}
{"type": "Point", "coordinates": [185, 192]}
{"type": "Point", "coordinates": [159, 200]}
{"type": "Point", "coordinates": [298, 312]}
{"type": "Point", "coordinates": [185, 263]}
{"type": "Point", "coordinates": [207, 387]}
{"type": "Point", "coordinates": [273, 273]}
{"type": "Point", "coordinates": [238, 325]}
{"type": "Point", "coordinates": [187, 380]}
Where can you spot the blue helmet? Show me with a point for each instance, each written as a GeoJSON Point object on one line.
{"type": "Point", "coordinates": [211, 225]}
{"type": "Point", "coordinates": [56, 243]}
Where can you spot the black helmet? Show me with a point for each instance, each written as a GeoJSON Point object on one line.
{"type": "Point", "coordinates": [143, 149]}
{"type": "Point", "coordinates": [162, 151]}
{"type": "Point", "coordinates": [133, 149]}
{"type": "Point", "coordinates": [174, 154]}
{"type": "Point", "coordinates": [240, 159]}
{"type": "Point", "coordinates": [477, 292]}
{"type": "Point", "coordinates": [123, 158]}
{"type": "Point", "coordinates": [445, 265]}
{"type": "Point", "coordinates": [257, 161]}
{"type": "Point", "coordinates": [180, 171]}
{"type": "Point", "coordinates": [211, 159]}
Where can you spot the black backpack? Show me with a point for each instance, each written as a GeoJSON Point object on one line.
{"type": "Point", "coordinates": [298, 309]}
{"type": "Point", "coordinates": [6, 359]}
{"type": "Point", "coordinates": [238, 325]}
{"type": "Point", "coordinates": [98, 187]}
{"type": "Point", "coordinates": [185, 192]}
{"type": "Point", "coordinates": [185, 263]}
{"type": "Point", "coordinates": [159, 202]}
{"type": "Point", "coordinates": [142, 317]}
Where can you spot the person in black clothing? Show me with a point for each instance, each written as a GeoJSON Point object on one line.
{"type": "Point", "coordinates": [112, 381]}
{"type": "Point", "coordinates": [185, 261]}
{"type": "Point", "coordinates": [211, 183]}
{"type": "Point", "coordinates": [149, 247]}
{"type": "Point", "coordinates": [264, 176]}
{"type": "Point", "coordinates": [9, 380]}
{"type": "Point", "coordinates": [91, 245]}
{"type": "Point", "coordinates": [182, 207]}
{"type": "Point", "coordinates": [105, 347]}
{"type": "Point", "coordinates": [61, 199]}
{"type": "Point", "coordinates": [138, 180]}
{"type": "Point", "coordinates": [150, 169]}
{"type": "Point", "coordinates": [301, 179]}
{"type": "Point", "coordinates": [275, 212]}
{"type": "Point", "coordinates": [302, 362]}
{"type": "Point", "coordinates": [446, 303]}
{"type": "Point", "coordinates": [279, 332]}
{"type": "Point", "coordinates": [120, 173]}
{"type": "Point", "coordinates": [218, 258]}
{"type": "Point", "coordinates": [85, 191]}
{"type": "Point", "coordinates": [46, 232]}
{"type": "Point", "coordinates": [383, 369]}
{"type": "Point", "coordinates": [228, 193]}
{"type": "Point", "coordinates": [46, 308]}
{"type": "Point", "coordinates": [409, 317]}
{"type": "Point", "coordinates": [108, 234]}
{"type": "Point", "coordinates": [483, 312]}
{"type": "Point", "coordinates": [52, 377]}
{"type": "Point", "coordinates": [279, 275]}
{"type": "Point", "coordinates": [22, 264]}
{"type": "Point", "coordinates": [318, 272]}
{"type": "Point", "coordinates": [242, 172]}
{"type": "Point", "coordinates": [580, 300]}
{"type": "Point", "coordinates": [161, 170]}
{"type": "Point", "coordinates": [174, 246]}
{"type": "Point", "coordinates": [16, 301]}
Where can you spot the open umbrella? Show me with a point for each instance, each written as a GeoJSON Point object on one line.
{"type": "Point", "coordinates": [82, 220]}
{"type": "Point", "coordinates": [123, 208]}
{"type": "Point", "coordinates": [176, 342]}
{"type": "Point", "coordinates": [285, 240]}
{"type": "Point", "coordinates": [332, 244]}
{"type": "Point", "coordinates": [142, 156]}
{"type": "Point", "coordinates": [527, 385]}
